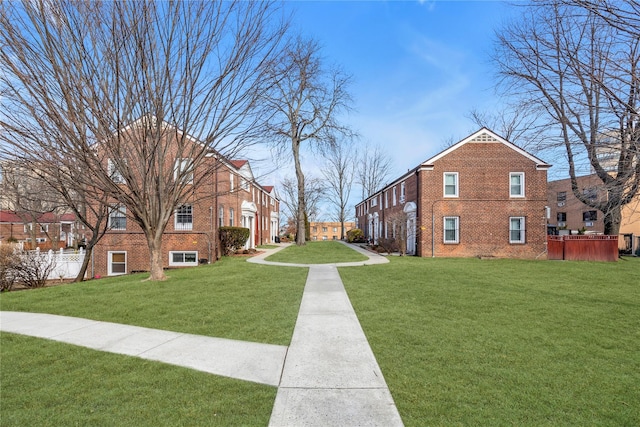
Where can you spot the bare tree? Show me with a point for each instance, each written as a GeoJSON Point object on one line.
{"type": "Point", "coordinates": [307, 99]}
{"type": "Point", "coordinates": [623, 15]}
{"type": "Point", "coordinates": [519, 124]}
{"type": "Point", "coordinates": [314, 193]}
{"type": "Point", "coordinates": [339, 175]}
{"type": "Point", "coordinates": [583, 73]}
{"type": "Point", "coordinates": [140, 95]}
{"type": "Point", "coordinates": [373, 168]}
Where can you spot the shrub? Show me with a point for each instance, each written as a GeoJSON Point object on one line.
{"type": "Point", "coordinates": [388, 245]}
{"type": "Point", "coordinates": [34, 269]}
{"type": "Point", "coordinates": [232, 239]}
{"type": "Point", "coordinates": [355, 236]}
{"type": "Point", "coordinates": [9, 267]}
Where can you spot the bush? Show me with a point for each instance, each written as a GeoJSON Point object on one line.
{"type": "Point", "coordinates": [388, 245]}
{"type": "Point", "coordinates": [9, 267]}
{"type": "Point", "coordinates": [30, 269]}
{"type": "Point", "coordinates": [355, 236]}
{"type": "Point", "coordinates": [232, 239]}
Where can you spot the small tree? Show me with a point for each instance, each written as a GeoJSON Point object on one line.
{"type": "Point", "coordinates": [34, 268]}
{"type": "Point", "coordinates": [306, 99]}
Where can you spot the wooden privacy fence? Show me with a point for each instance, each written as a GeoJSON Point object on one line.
{"type": "Point", "coordinates": [583, 248]}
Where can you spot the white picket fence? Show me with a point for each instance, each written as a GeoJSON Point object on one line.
{"type": "Point", "coordinates": [67, 264]}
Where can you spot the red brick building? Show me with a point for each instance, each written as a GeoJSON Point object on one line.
{"type": "Point", "coordinates": [483, 196]}
{"type": "Point", "coordinates": [43, 230]}
{"type": "Point", "coordinates": [225, 193]}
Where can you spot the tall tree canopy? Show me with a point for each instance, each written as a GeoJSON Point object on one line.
{"type": "Point", "coordinates": [134, 95]}
{"type": "Point", "coordinates": [570, 63]}
{"type": "Point", "coordinates": [307, 98]}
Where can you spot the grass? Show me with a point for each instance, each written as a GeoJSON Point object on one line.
{"type": "Point", "coordinates": [229, 299]}
{"type": "Point", "coordinates": [48, 383]}
{"type": "Point", "coordinates": [460, 342]}
{"type": "Point", "coordinates": [45, 383]}
{"type": "Point", "coordinates": [504, 342]}
{"type": "Point", "coordinates": [325, 252]}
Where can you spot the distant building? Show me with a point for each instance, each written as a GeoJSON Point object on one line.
{"type": "Point", "coordinates": [329, 230]}
{"type": "Point", "coordinates": [571, 216]}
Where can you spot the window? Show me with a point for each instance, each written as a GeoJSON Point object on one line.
{"type": "Point", "coordinates": [27, 228]}
{"type": "Point", "coordinates": [221, 216]}
{"type": "Point", "coordinates": [451, 184]}
{"type": "Point", "coordinates": [516, 229]}
{"type": "Point", "coordinates": [114, 172]}
{"type": "Point", "coordinates": [231, 182]}
{"type": "Point", "coordinates": [335, 229]}
{"type": "Point", "coordinates": [562, 196]}
{"type": "Point", "coordinates": [324, 238]}
{"type": "Point", "coordinates": [516, 184]}
{"type": "Point", "coordinates": [590, 216]}
{"type": "Point", "coordinates": [451, 229]}
{"type": "Point", "coordinates": [44, 228]}
{"type": "Point", "coordinates": [590, 193]}
{"type": "Point", "coordinates": [231, 217]}
{"type": "Point", "coordinates": [183, 258]}
{"type": "Point", "coordinates": [244, 184]}
{"type": "Point", "coordinates": [184, 218]}
{"type": "Point", "coordinates": [117, 263]}
{"type": "Point", "coordinates": [562, 219]}
{"type": "Point", "coordinates": [118, 217]}
{"type": "Point", "coordinates": [314, 229]}
{"type": "Point", "coordinates": [402, 192]}
{"type": "Point", "coordinates": [374, 202]}
{"type": "Point", "coordinates": [324, 229]}
{"type": "Point", "coordinates": [386, 199]}
{"type": "Point", "coordinates": [183, 169]}
{"type": "Point", "coordinates": [394, 196]}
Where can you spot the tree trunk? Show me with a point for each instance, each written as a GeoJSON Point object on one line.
{"type": "Point", "coordinates": [155, 257]}
{"type": "Point", "coordinates": [300, 215]}
{"type": "Point", "coordinates": [612, 219]}
{"type": "Point", "coordinates": [85, 265]}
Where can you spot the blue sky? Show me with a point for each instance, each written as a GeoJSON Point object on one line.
{"type": "Point", "coordinates": [418, 67]}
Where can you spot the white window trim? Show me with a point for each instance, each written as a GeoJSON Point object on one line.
{"type": "Point", "coordinates": [444, 230]}
{"type": "Point", "coordinates": [182, 226]}
{"type": "Point", "coordinates": [183, 264]}
{"type": "Point", "coordinates": [521, 175]}
{"type": "Point", "coordinates": [395, 199]}
{"type": "Point", "coordinates": [403, 192]}
{"type": "Point", "coordinates": [184, 165]}
{"type": "Point", "coordinates": [110, 266]}
{"type": "Point", "coordinates": [522, 230]}
{"type": "Point", "coordinates": [114, 173]}
{"type": "Point", "coordinates": [119, 208]}
{"type": "Point", "coordinates": [444, 185]}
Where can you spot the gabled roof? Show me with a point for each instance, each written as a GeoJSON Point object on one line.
{"type": "Point", "coordinates": [238, 164]}
{"type": "Point", "coordinates": [485, 135]}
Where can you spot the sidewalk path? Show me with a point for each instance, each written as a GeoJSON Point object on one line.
{"type": "Point", "coordinates": [328, 376]}
{"type": "Point", "coordinates": [261, 363]}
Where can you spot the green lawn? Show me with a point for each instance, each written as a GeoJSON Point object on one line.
{"type": "Point", "coordinates": [460, 342]}
{"type": "Point", "coordinates": [47, 383]}
{"type": "Point", "coordinates": [229, 299]}
{"type": "Point", "coordinates": [504, 342]}
{"type": "Point", "coordinates": [325, 252]}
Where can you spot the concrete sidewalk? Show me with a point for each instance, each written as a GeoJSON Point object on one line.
{"type": "Point", "coordinates": [260, 363]}
{"type": "Point", "coordinates": [328, 376]}
{"type": "Point", "coordinates": [331, 377]}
